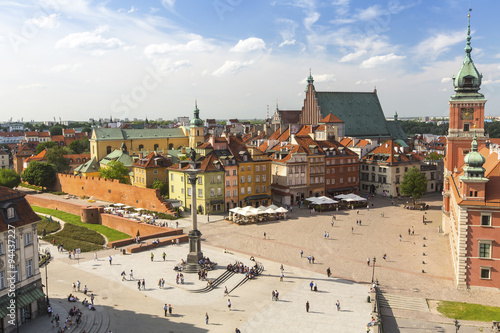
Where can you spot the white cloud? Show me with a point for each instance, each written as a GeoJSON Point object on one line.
{"type": "Point", "coordinates": [380, 60]}
{"type": "Point", "coordinates": [287, 42]}
{"type": "Point", "coordinates": [369, 13]}
{"type": "Point", "coordinates": [352, 56]}
{"type": "Point", "coordinates": [32, 86]}
{"type": "Point", "coordinates": [311, 18]}
{"type": "Point", "coordinates": [446, 79]}
{"type": "Point", "coordinates": [249, 44]}
{"type": "Point", "coordinates": [48, 22]}
{"type": "Point", "coordinates": [197, 45]}
{"type": "Point", "coordinates": [168, 4]}
{"type": "Point", "coordinates": [321, 78]}
{"type": "Point", "coordinates": [65, 67]}
{"type": "Point", "coordinates": [341, 21]}
{"type": "Point", "coordinates": [93, 40]}
{"type": "Point", "coordinates": [232, 66]}
{"type": "Point", "coordinates": [439, 43]}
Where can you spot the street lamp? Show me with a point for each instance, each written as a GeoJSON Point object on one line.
{"type": "Point", "coordinates": [373, 272]}
{"type": "Point", "coordinates": [457, 325]}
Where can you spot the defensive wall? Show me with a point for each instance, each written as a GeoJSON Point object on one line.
{"type": "Point", "coordinates": [88, 214]}
{"type": "Point", "coordinates": [113, 191]}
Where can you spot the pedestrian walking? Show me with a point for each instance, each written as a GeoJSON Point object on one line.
{"type": "Point", "coordinates": [352, 230]}
{"type": "Point", "coordinates": [273, 295]}
{"type": "Point", "coordinates": [400, 237]}
{"type": "Point", "coordinates": [165, 309]}
{"type": "Point", "coordinates": [229, 304]}
{"type": "Point", "coordinates": [164, 256]}
{"type": "Point", "coordinates": [276, 295]}
{"type": "Point", "coordinates": [409, 232]}
{"type": "Point", "coordinates": [92, 298]}
{"type": "Point", "coordinates": [307, 306]}
{"type": "Point", "coordinates": [144, 284]}
{"type": "Point", "coordinates": [226, 292]}
{"type": "Point", "coordinates": [385, 256]}
{"type": "Point", "coordinates": [95, 256]}
{"type": "Point", "coordinates": [327, 235]}
{"type": "Point", "coordinates": [338, 305]}
{"type": "Point", "coordinates": [110, 260]}
{"type": "Point", "coordinates": [206, 318]}
{"type": "Point", "coordinates": [264, 235]}
{"type": "Point", "coordinates": [368, 261]}
{"type": "Point", "coordinates": [162, 283]}
{"type": "Point", "coordinates": [139, 284]}
{"type": "Point", "coordinates": [324, 235]}
{"type": "Point", "coordinates": [85, 289]}
{"type": "Point", "coordinates": [159, 284]}
{"type": "Point", "coordinates": [332, 222]}
{"type": "Point", "coordinates": [282, 268]}
{"type": "Point", "coordinates": [312, 258]}
{"type": "Point", "coordinates": [152, 256]}
{"type": "Point", "coordinates": [170, 309]}
{"type": "Point", "coordinates": [311, 285]}
{"type": "Point", "coordinates": [328, 272]}
{"type": "Point", "coordinates": [131, 275]}
{"type": "Point", "coordinates": [309, 258]}
{"type": "Point", "coordinates": [281, 277]}
{"type": "Point", "coordinates": [412, 231]}
{"type": "Point", "coordinates": [301, 253]}
{"type": "Point", "coordinates": [78, 283]}
{"type": "Point", "coordinates": [237, 330]}
{"type": "Point", "coordinates": [74, 287]}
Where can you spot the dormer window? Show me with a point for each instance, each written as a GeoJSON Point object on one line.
{"type": "Point", "coordinates": [11, 213]}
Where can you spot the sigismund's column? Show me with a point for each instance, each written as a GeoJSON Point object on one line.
{"type": "Point", "coordinates": [194, 234]}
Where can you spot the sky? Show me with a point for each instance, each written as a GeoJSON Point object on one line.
{"type": "Point", "coordinates": [77, 59]}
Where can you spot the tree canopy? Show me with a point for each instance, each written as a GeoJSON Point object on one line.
{"type": "Point", "coordinates": [55, 156]}
{"type": "Point", "coordinates": [80, 146]}
{"type": "Point", "coordinates": [414, 184]}
{"type": "Point", "coordinates": [39, 174]}
{"type": "Point", "coordinates": [158, 184]}
{"type": "Point", "coordinates": [46, 144]}
{"type": "Point", "coordinates": [9, 178]}
{"type": "Point", "coordinates": [56, 130]}
{"type": "Point", "coordinates": [115, 170]}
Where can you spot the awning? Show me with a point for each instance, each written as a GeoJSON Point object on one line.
{"type": "Point", "coordinates": [25, 296]}
{"type": "Point", "coordinates": [257, 197]}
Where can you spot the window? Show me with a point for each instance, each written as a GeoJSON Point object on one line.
{"type": "Point", "coordinates": [485, 273]}
{"type": "Point", "coordinates": [242, 180]}
{"type": "Point", "coordinates": [1, 248]}
{"type": "Point", "coordinates": [263, 178]}
{"type": "Point", "coordinates": [228, 193]}
{"type": "Point", "coordinates": [212, 192]}
{"type": "Point", "coordinates": [486, 219]}
{"type": "Point", "coordinates": [234, 182]}
{"type": "Point", "coordinates": [257, 168]}
{"type": "Point", "coordinates": [29, 267]}
{"type": "Point", "coordinates": [341, 180]}
{"type": "Point", "coordinates": [155, 171]}
{"type": "Point", "coordinates": [242, 190]}
{"type": "Point", "coordinates": [257, 178]}
{"type": "Point", "coordinates": [235, 193]}
{"type": "Point", "coordinates": [249, 190]}
{"type": "Point", "coordinates": [16, 273]}
{"type": "Point", "coordinates": [171, 188]}
{"type": "Point", "coordinates": [2, 280]}
{"type": "Point", "coordinates": [249, 168]}
{"type": "Point", "coordinates": [219, 191]}
{"type": "Point", "coordinates": [11, 213]}
{"type": "Point", "coordinates": [484, 249]}
{"type": "Point", "coordinates": [249, 179]}
{"type": "Point", "coordinates": [234, 172]}
{"type": "Point", "coordinates": [242, 168]}
{"type": "Point", "coordinates": [15, 243]}
{"type": "Point", "coordinates": [466, 127]}
{"type": "Point", "coordinates": [263, 188]}
{"type": "Point", "coordinates": [200, 181]}
{"type": "Point", "coordinates": [327, 171]}
{"type": "Point", "coordinates": [212, 180]}
{"type": "Point", "coordinates": [182, 179]}
{"type": "Point", "coordinates": [328, 182]}
{"type": "Point", "coordinates": [27, 239]}
{"type": "Point", "coordinates": [182, 190]}
{"type": "Point", "coordinates": [200, 193]}
{"type": "Point", "coordinates": [228, 183]}
{"type": "Point", "coordinates": [257, 189]}
{"type": "Point", "coordinates": [189, 190]}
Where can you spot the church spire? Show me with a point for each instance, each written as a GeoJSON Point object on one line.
{"type": "Point", "coordinates": [310, 79]}
{"type": "Point", "coordinates": [468, 80]}
{"type": "Point", "coordinates": [474, 162]}
{"type": "Point", "coordinates": [196, 121]}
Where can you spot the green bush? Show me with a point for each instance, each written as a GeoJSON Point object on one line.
{"type": "Point", "coordinates": [72, 244]}
{"type": "Point", "coordinates": [80, 233]}
{"type": "Point", "coordinates": [49, 226]}
{"type": "Point", "coordinates": [58, 193]}
{"type": "Point", "coordinates": [32, 187]}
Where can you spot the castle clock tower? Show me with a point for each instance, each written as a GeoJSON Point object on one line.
{"type": "Point", "coordinates": [466, 112]}
{"type": "Point", "coordinates": [196, 130]}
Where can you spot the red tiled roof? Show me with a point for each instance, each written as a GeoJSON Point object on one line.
{"type": "Point", "coordinates": [22, 208]}
{"type": "Point", "coordinates": [330, 118]}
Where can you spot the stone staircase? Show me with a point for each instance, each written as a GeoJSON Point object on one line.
{"type": "Point", "coordinates": [91, 322]}
{"type": "Point", "coordinates": [402, 302]}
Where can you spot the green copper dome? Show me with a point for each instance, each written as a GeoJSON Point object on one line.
{"type": "Point", "coordinates": [474, 161]}
{"type": "Point", "coordinates": [467, 82]}
{"type": "Point", "coordinates": [196, 121]}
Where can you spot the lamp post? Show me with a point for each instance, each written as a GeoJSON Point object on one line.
{"type": "Point", "coordinates": [457, 326]}
{"type": "Point", "coordinates": [194, 234]}
{"type": "Point", "coordinates": [47, 282]}
{"type": "Point", "coordinates": [373, 272]}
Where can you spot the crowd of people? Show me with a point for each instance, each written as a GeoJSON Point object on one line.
{"type": "Point", "coordinates": [206, 264]}
{"type": "Point", "coordinates": [238, 267]}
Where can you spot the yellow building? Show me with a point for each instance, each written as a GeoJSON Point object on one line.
{"type": "Point", "coordinates": [104, 140]}
{"type": "Point", "coordinates": [150, 168]}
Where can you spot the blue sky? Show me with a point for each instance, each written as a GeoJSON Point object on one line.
{"type": "Point", "coordinates": [79, 59]}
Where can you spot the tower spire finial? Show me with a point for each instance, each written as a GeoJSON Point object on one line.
{"type": "Point", "coordinates": [468, 48]}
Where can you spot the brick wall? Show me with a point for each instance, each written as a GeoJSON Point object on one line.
{"type": "Point", "coordinates": [113, 191]}
{"type": "Point", "coordinates": [129, 226]}
{"type": "Point", "coordinates": [54, 204]}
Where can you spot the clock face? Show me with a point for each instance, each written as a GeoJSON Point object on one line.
{"type": "Point", "coordinates": [467, 113]}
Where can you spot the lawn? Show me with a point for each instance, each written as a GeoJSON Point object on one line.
{"type": "Point", "coordinates": [110, 234]}
{"type": "Point", "coordinates": [49, 226]}
{"type": "Point", "coordinates": [469, 311]}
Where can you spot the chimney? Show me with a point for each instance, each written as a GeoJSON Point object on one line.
{"type": "Point", "coordinates": [141, 156]}
{"type": "Point", "coordinates": [183, 150]}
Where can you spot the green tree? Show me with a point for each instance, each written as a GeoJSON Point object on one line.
{"type": "Point", "coordinates": [39, 174]}
{"type": "Point", "coordinates": [158, 184]}
{"type": "Point", "coordinates": [9, 178]}
{"type": "Point", "coordinates": [80, 146]}
{"type": "Point", "coordinates": [434, 156]}
{"type": "Point", "coordinates": [414, 184]}
{"type": "Point", "coordinates": [115, 170]}
{"type": "Point", "coordinates": [56, 130]}
{"type": "Point", "coordinates": [55, 156]}
{"type": "Point", "coordinates": [46, 144]}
